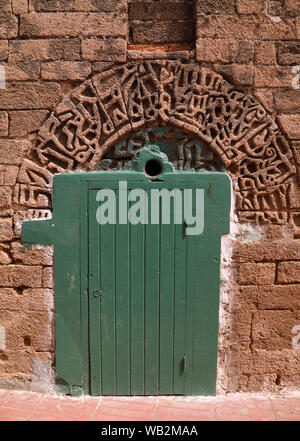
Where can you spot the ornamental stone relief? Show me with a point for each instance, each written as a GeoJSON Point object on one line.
{"type": "Point", "coordinates": [217, 127]}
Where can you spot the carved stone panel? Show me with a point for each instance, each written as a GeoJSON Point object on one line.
{"type": "Point", "coordinates": [111, 115]}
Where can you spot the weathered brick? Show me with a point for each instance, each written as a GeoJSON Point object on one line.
{"type": "Point", "coordinates": [209, 7]}
{"type": "Point", "coordinates": [274, 8]}
{"type": "Point", "coordinates": [260, 251]}
{"type": "Point", "coordinates": [157, 55]}
{"type": "Point", "coordinates": [291, 8]}
{"type": "Point", "coordinates": [48, 281]}
{"type": "Point", "coordinates": [21, 275]}
{"type": "Point", "coordinates": [265, 52]}
{"type": "Point", "coordinates": [44, 50]}
{"type": "Point", "coordinates": [8, 26]}
{"type": "Point", "coordinates": [258, 383]}
{"type": "Point", "coordinates": [22, 71]}
{"type": "Point", "coordinates": [236, 73]}
{"type": "Point", "coordinates": [31, 299]}
{"type": "Point", "coordinates": [113, 50]}
{"type": "Point", "coordinates": [290, 125]}
{"type": "Point", "coordinates": [5, 5]}
{"type": "Point", "coordinates": [245, 52]}
{"type": "Point", "coordinates": [273, 329]}
{"type": "Point", "coordinates": [8, 174]}
{"type": "Point", "coordinates": [272, 76]}
{"type": "Point", "coordinates": [33, 255]}
{"type": "Point", "coordinates": [100, 5]}
{"type": "Point", "coordinates": [295, 216]}
{"type": "Point", "coordinates": [101, 66]}
{"type": "Point", "coordinates": [18, 364]}
{"type": "Point", "coordinates": [250, 6]}
{"type": "Point", "coordinates": [265, 97]}
{"type": "Point", "coordinates": [161, 32]}
{"type": "Point", "coordinates": [5, 196]}
{"type": "Point", "coordinates": [298, 28]}
{"type": "Point", "coordinates": [245, 26]}
{"type": "Point", "coordinates": [19, 6]}
{"type": "Point", "coordinates": [72, 24]}
{"type": "Point", "coordinates": [273, 297]}
{"type": "Point", "coordinates": [5, 259]}
{"type": "Point", "coordinates": [242, 328]}
{"type": "Point", "coordinates": [156, 11]}
{"type": "Point", "coordinates": [52, 5]}
{"type": "Point", "coordinates": [289, 52]}
{"type": "Point", "coordinates": [287, 101]}
{"type": "Point", "coordinates": [78, 5]}
{"type": "Point", "coordinates": [288, 272]}
{"type": "Point", "coordinates": [224, 51]}
{"type": "Point", "coordinates": [3, 123]}
{"type": "Point", "coordinates": [22, 122]}
{"type": "Point", "coordinates": [65, 70]}
{"type": "Point", "coordinates": [3, 50]}
{"type": "Point", "coordinates": [279, 297]}
{"type": "Point", "coordinates": [290, 382]}
{"type": "Point", "coordinates": [261, 361]}
{"type": "Point", "coordinates": [27, 330]}
{"type": "Point", "coordinates": [295, 191]}
{"type": "Point", "coordinates": [30, 95]}
{"type": "Point", "coordinates": [257, 273]}
{"type": "Point", "coordinates": [11, 150]}
{"type": "Point", "coordinates": [6, 232]}
{"type": "Point", "coordinates": [296, 151]}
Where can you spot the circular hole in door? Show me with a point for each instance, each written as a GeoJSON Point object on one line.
{"type": "Point", "coordinates": [153, 167]}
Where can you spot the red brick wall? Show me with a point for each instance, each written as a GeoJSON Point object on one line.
{"type": "Point", "coordinates": [47, 49]}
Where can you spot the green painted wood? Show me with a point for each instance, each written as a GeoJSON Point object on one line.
{"type": "Point", "coordinates": [166, 309]}
{"type": "Point", "coordinates": [180, 282]}
{"type": "Point", "coordinates": [122, 293]}
{"type": "Point", "coordinates": [189, 309]}
{"type": "Point", "coordinates": [152, 266]}
{"type": "Point", "coordinates": [137, 309]}
{"type": "Point", "coordinates": [94, 279]}
{"type": "Point", "coordinates": [84, 286]}
{"type": "Point", "coordinates": [108, 309]}
{"type": "Point", "coordinates": [190, 316]}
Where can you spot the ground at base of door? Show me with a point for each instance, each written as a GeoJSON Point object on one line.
{"type": "Point", "coordinates": [33, 406]}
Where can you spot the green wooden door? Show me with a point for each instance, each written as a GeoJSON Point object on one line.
{"type": "Point", "coordinates": [136, 306]}
{"type": "Point", "coordinates": [138, 323]}
{"type": "Point", "coordinates": [144, 298]}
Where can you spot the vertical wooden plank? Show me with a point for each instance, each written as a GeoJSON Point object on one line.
{"type": "Point", "coordinates": [137, 335]}
{"type": "Point", "coordinates": [190, 316]}
{"type": "Point", "coordinates": [108, 316]}
{"type": "Point", "coordinates": [205, 339]}
{"type": "Point", "coordinates": [166, 309]}
{"type": "Point", "coordinates": [207, 273]}
{"type": "Point", "coordinates": [180, 282]}
{"type": "Point", "coordinates": [84, 284]}
{"type": "Point", "coordinates": [152, 266]}
{"type": "Point", "coordinates": [122, 270]}
{"type": "Point", "coordinates": [94, 302]}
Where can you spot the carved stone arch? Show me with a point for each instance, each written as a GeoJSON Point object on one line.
{"type": "Point", "coordinates": [126, 99]}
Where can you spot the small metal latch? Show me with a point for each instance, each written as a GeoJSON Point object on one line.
{"type": "Point", "coordinates": [98, 292]}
